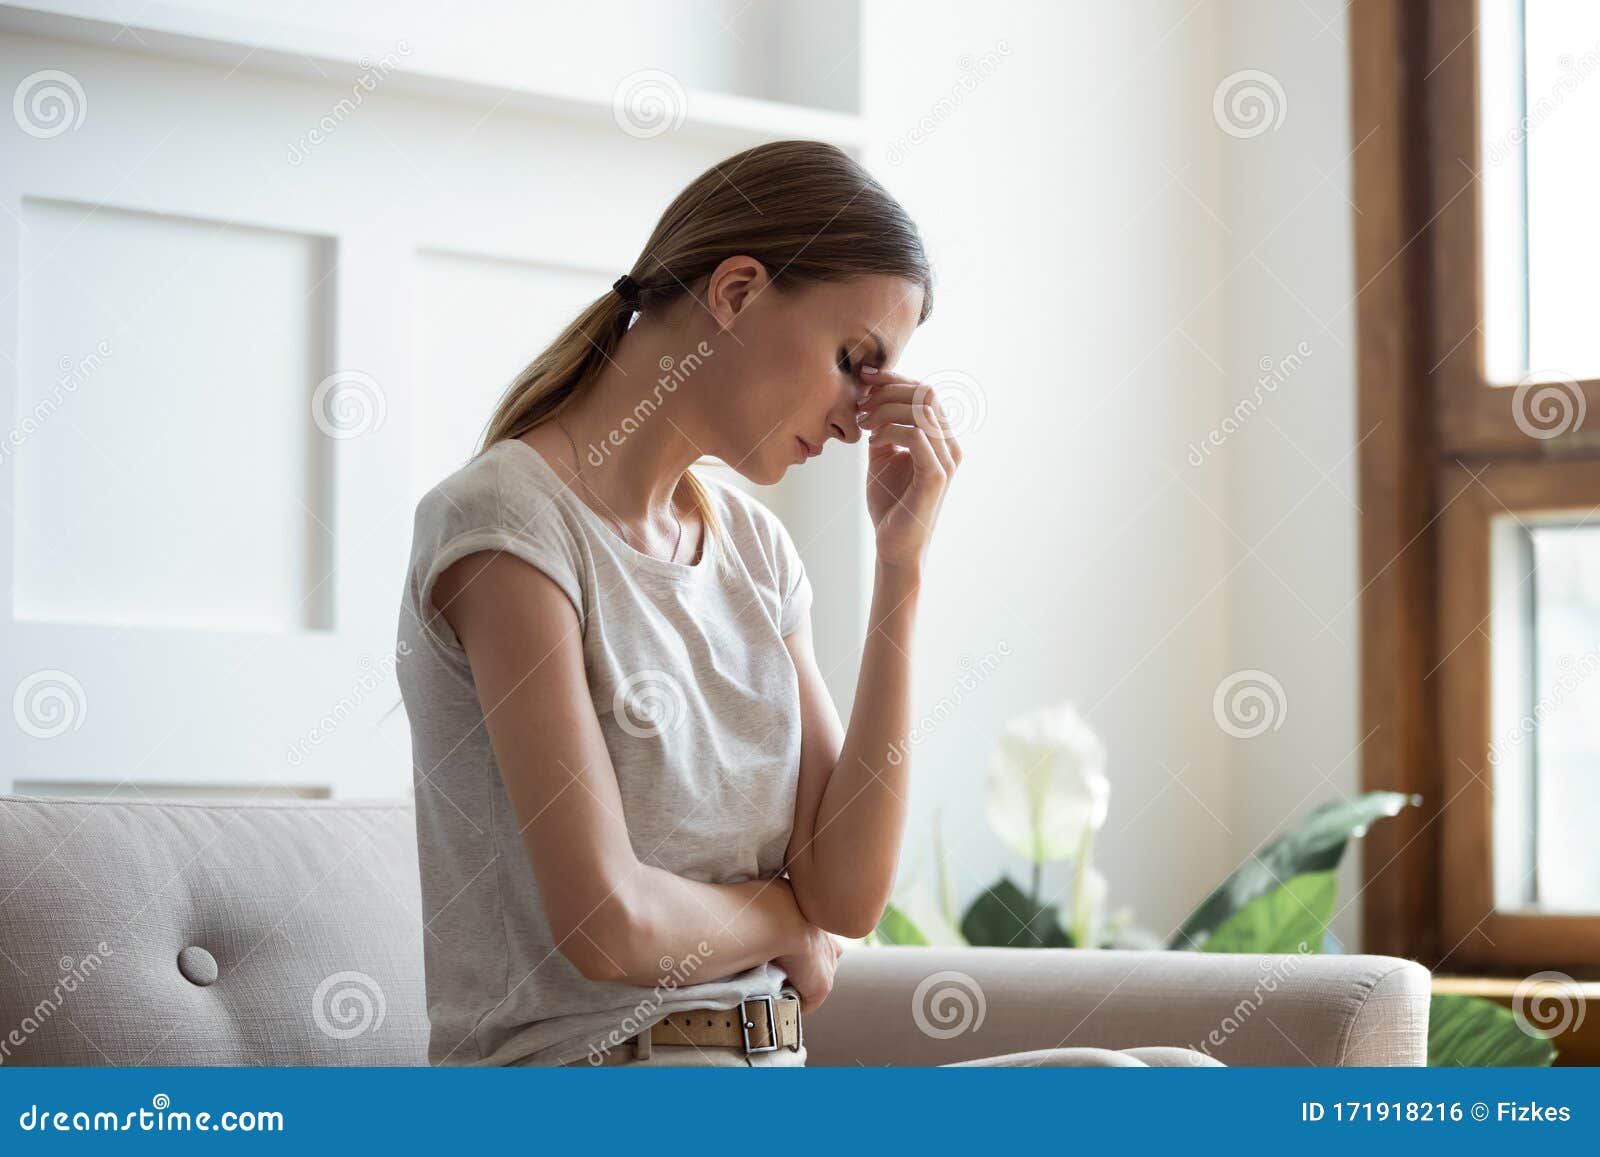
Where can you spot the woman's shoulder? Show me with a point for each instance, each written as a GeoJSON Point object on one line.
{"type": "Point", "coordinates": [505, 489]}
{"type": "Point", "coordinates": [500, 500]}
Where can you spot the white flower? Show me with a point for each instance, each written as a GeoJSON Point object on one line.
{"type": "Point", "coordinates": [1088, 914]}
{"type": "Point", "coordinates": [1047, 784]}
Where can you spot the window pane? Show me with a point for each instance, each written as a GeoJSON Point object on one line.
{"type": "Point", "coordinates": [1546, 750]}
{"type": "Point", "coordinates": [1540, 117]}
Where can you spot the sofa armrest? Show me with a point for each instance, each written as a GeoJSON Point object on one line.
{"type": "Point", "coordinates": [932, 1006]}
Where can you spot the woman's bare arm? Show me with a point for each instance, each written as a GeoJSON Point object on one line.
{"type": "Point", "coordinates": [850, 809]}
{"type": "Point", "coordinates": [614, 917]}
{"type": "Point", "coordinates": [850, 806]}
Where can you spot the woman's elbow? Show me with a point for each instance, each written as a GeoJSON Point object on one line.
{"type": "Point", "coordinates": [608, 941]}
{"type": "Point", "coordinates": [855, 924]}
{"type": "Point", "coordinates": [852, 916]}
{"type": "Point", "coordinates": [591, 960]}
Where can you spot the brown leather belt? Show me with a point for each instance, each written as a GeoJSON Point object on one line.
{"type": "Point", "coordinates": [762, 1024]}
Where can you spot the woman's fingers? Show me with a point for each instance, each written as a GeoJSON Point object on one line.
{"type": "Point", "coordinates": [893, 386]}
{"type": "Point", "coordinates": [887, 387]}
{"type": "Point", "coordinates": [914, 440]}
{"type": "Point", "coordinates": [895, 398]}
{"type": "Point", "coordinates": [907, 401]}
{"type": "Point", "coordinates": [926, 417]}
{"type": "Point", "coordinates": [928, 420]}
{"type": "Point", "coordinates": [944, 448]}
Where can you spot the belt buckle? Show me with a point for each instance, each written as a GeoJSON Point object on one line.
{"type": "Point", "coordinates": [772, 1025]}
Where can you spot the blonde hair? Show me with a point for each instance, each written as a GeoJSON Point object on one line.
{"type": "Point", "coordinates": [804, 209]}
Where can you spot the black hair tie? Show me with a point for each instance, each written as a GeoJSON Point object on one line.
{"type": "Point", "coordinates": [628, 289]}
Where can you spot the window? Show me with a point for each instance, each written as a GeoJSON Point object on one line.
{"type": "Point", "coordinates": [1478, 253]}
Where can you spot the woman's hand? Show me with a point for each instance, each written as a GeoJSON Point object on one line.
{"type": "Point", "coordinates": [810, 970]}
{"type": "Point", "coordinates": [912, 456]}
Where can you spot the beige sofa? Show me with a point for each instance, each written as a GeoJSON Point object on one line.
{"type": "Point", "coordinates": [173, 934]}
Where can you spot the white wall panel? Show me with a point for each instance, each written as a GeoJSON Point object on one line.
{"type": "Point", "coordinates": [478, 322]}
{"type": "Point", "coordinates": [183, 481]}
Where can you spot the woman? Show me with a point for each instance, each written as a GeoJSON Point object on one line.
{"type": "Point", "coordinates": [634, 797]}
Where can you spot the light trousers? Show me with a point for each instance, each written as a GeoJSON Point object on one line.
{"type": "Point", "coordinates": [1156, 1056]}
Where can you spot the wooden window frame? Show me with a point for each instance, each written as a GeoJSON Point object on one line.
{"type": "Point", "coordinates": [1442, 454]}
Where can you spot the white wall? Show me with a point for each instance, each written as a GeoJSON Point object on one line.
{"type": "Point", "coordinates": [1292, 497]}
{"type": "Point", "coordinates": [723, 46]}
{"type": "Point", "coordinates": [1111, 264]}
{"type": "Point", "coordinates": [1076, 272]}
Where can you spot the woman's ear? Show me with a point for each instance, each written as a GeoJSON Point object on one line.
{"type": "Point", "coordinates": [733, 285]}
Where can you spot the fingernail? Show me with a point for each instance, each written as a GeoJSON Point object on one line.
{"type": "Point", "coordinates": [869, 369]}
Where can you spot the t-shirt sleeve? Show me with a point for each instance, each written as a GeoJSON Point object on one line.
{"type": "Point", "coordinates": [469, 513]}
{"type": "Point", "coordinates": [795, 583]}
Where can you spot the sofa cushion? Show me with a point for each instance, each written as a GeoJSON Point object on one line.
{"type": "Point", "coordinates": [190, 934]}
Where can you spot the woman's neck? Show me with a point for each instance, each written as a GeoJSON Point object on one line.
{"type": "Point", "coordinates": [633, 433]}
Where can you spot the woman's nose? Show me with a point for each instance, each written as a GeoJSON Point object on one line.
{"type": "Point", "coordinates": [844, 421]}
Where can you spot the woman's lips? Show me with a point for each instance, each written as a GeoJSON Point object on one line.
{"type": "Point", "coordinates": [806, 449]}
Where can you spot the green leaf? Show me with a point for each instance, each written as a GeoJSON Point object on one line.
{"type": "Point", "coordinates": [1290, 918]}
{"type": "Point", "coordinates": [1469, 1030]}
{"type": "Point", "coordinates": [895, 927]}
{"type": "Point", "coordinates": [1005, 917]}
{"type": "Point", "coordinates": [1316, 845]}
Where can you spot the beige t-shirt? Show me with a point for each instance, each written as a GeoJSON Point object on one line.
{"type": "Point", "coordinates": [699, 702]}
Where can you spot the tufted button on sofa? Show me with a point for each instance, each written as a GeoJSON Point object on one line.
{"type": "Point", "coordinates": [186, 934]}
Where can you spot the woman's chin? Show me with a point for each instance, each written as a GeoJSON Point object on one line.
{"type": "Point", "coordinates": [776, 468]}
{"type": "Point", "coordinates": [764, 473]}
